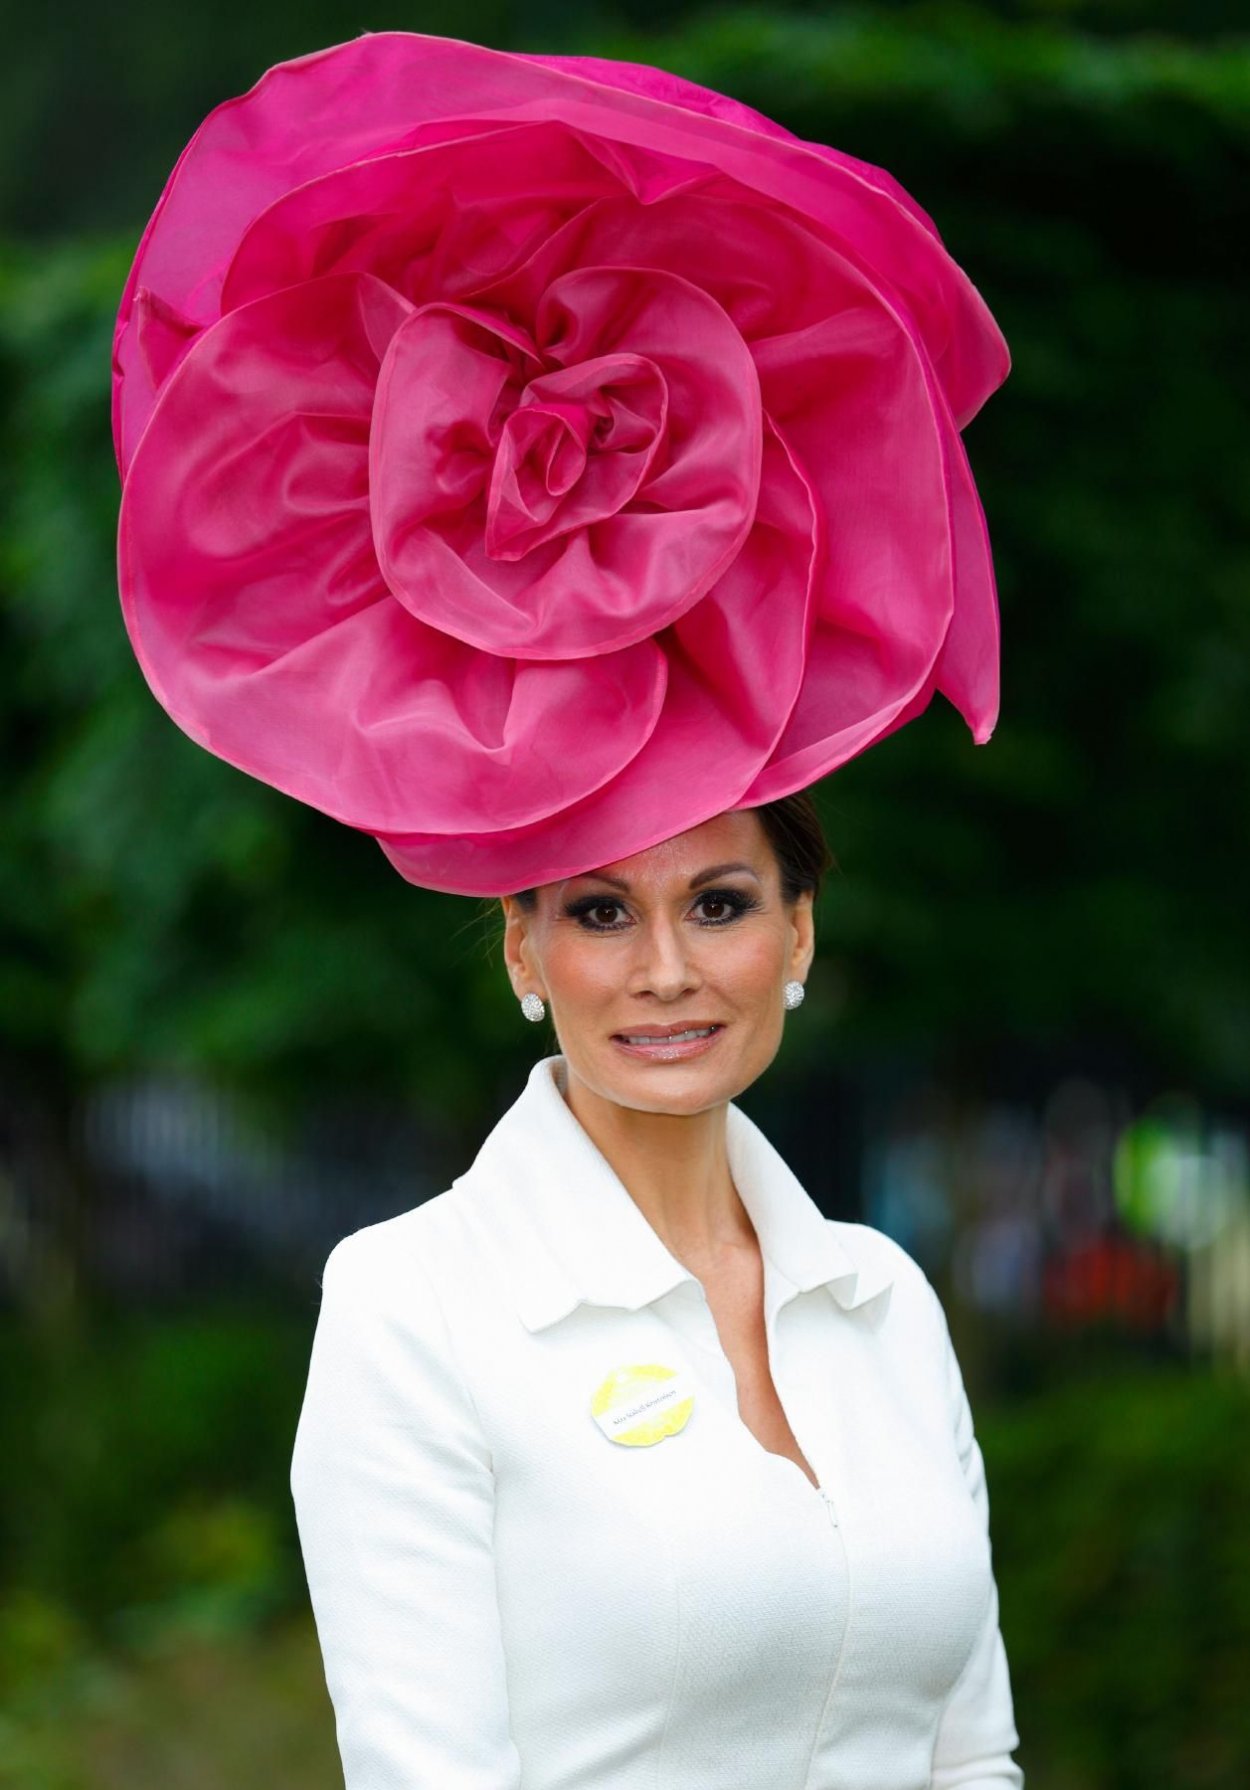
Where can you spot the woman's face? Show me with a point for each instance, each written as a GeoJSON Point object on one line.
{"type": "Point", "coordinates": [689, 934]}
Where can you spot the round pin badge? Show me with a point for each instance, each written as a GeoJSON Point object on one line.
{"type": "Point", "coordinates": [642, 1403]}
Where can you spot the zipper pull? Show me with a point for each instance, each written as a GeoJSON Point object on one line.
{"type": "Point", "coordinates": [829, 1506]}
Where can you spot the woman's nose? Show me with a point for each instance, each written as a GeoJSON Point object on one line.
{"type": "Point", "coordinates": [663, 964]}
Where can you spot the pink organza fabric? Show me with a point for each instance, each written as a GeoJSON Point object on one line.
{"type": "Point", "coordinates": [526, 458]}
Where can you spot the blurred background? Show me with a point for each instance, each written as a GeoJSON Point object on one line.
{"type": "Point", "coordinates": [230, 1033]}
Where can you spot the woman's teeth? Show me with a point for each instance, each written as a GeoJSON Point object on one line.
{"type": "Point", "coordinates": [668, 1037]}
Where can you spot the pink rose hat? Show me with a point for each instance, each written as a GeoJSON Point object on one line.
{"type": "Point", "coordinates": [526, 458]}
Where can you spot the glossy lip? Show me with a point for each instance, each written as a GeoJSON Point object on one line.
{"type": "Point", "coordinates": [663, 1050]}
{"type": "Point", "coordinates": [677, 1025]}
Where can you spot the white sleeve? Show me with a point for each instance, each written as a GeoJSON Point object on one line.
{"type": "Point", "coordinates": [394, 1501]}
{"type": "Point", "coordinates": [976, 1735]}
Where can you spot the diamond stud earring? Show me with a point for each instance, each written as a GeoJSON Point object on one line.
{"type": "Point", "coordinates": [533, 1007]}
{"type": "Point", "coordinates": [794, 995]}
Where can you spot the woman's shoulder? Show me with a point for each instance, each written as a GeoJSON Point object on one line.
{"type": "Point", "coordinates": [402, 1297]}
{"type": "Point", "coordinates": [864, 1243]}
{"type": "Point", "coordinates": [436, 1246]}
{"type": "Point", "coordinates": [881, 1262]}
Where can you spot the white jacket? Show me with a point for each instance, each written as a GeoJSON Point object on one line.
{"type": "Point", "coordinates": [509, 1598]}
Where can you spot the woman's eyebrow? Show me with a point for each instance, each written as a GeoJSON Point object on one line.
{"type": "Point", "coordinates": [696, 882]}
{"type": "Point", "coordinates": [707, 876]}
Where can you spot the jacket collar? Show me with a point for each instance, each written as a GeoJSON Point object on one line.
{"type": "Point", "coordinates": [569, 1233]}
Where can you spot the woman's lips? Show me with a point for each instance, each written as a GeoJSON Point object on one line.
{"type": "Point", "coordinates": [668, 1049]}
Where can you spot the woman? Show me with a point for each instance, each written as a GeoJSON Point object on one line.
{"type": "Point", "coordinates": [552, 467]}
{"type": "Point", "coordinates": [780, 1575]}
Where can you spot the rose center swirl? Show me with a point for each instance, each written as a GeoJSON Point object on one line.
{"type": "Point", "coordinates": [614, 446]}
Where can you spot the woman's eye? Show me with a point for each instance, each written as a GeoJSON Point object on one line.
{"type": "Point", "coordinates": [727, 903]}
{"type": "Point", "coordinates": [716, 902]}
{"type": "Point", "coordinates": [597, 916]}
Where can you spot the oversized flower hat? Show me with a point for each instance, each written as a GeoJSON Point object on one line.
{"type": "Point", "coordinates": [526, 458]}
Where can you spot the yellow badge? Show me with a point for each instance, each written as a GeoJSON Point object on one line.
{"type": "Point", "coordinates": [639, 1405]}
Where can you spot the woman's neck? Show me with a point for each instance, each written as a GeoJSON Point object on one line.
{"type": "Point", "coordinates": [675, 1167]}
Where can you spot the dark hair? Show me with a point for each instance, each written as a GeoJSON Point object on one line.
{"type": "Point", "coordinates": [798, 841]}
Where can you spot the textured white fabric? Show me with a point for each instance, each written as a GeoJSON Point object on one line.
{"type": "Point", "coordinates": [507, 1599]}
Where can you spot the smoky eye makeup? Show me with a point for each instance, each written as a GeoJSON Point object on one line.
{"type": "Point", "coordinates": [733, 902]}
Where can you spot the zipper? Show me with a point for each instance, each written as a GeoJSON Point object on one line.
{"type": "Point", "coordinates": [828, 1505]}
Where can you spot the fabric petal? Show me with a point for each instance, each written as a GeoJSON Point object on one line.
{"type": "Point", "coordinates": [439, 221]}
{"type": "Point", "coordinates": [259, 615]}
{"type": "Point", "coordinates": [968, 665]}
{"type": "Point", "coordinates": [875, 455]}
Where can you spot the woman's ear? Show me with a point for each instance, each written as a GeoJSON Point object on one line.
{"type": "Point", "coordinates": [517, 953]}
{"type": "Point", "coordinates": [803, 946]}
